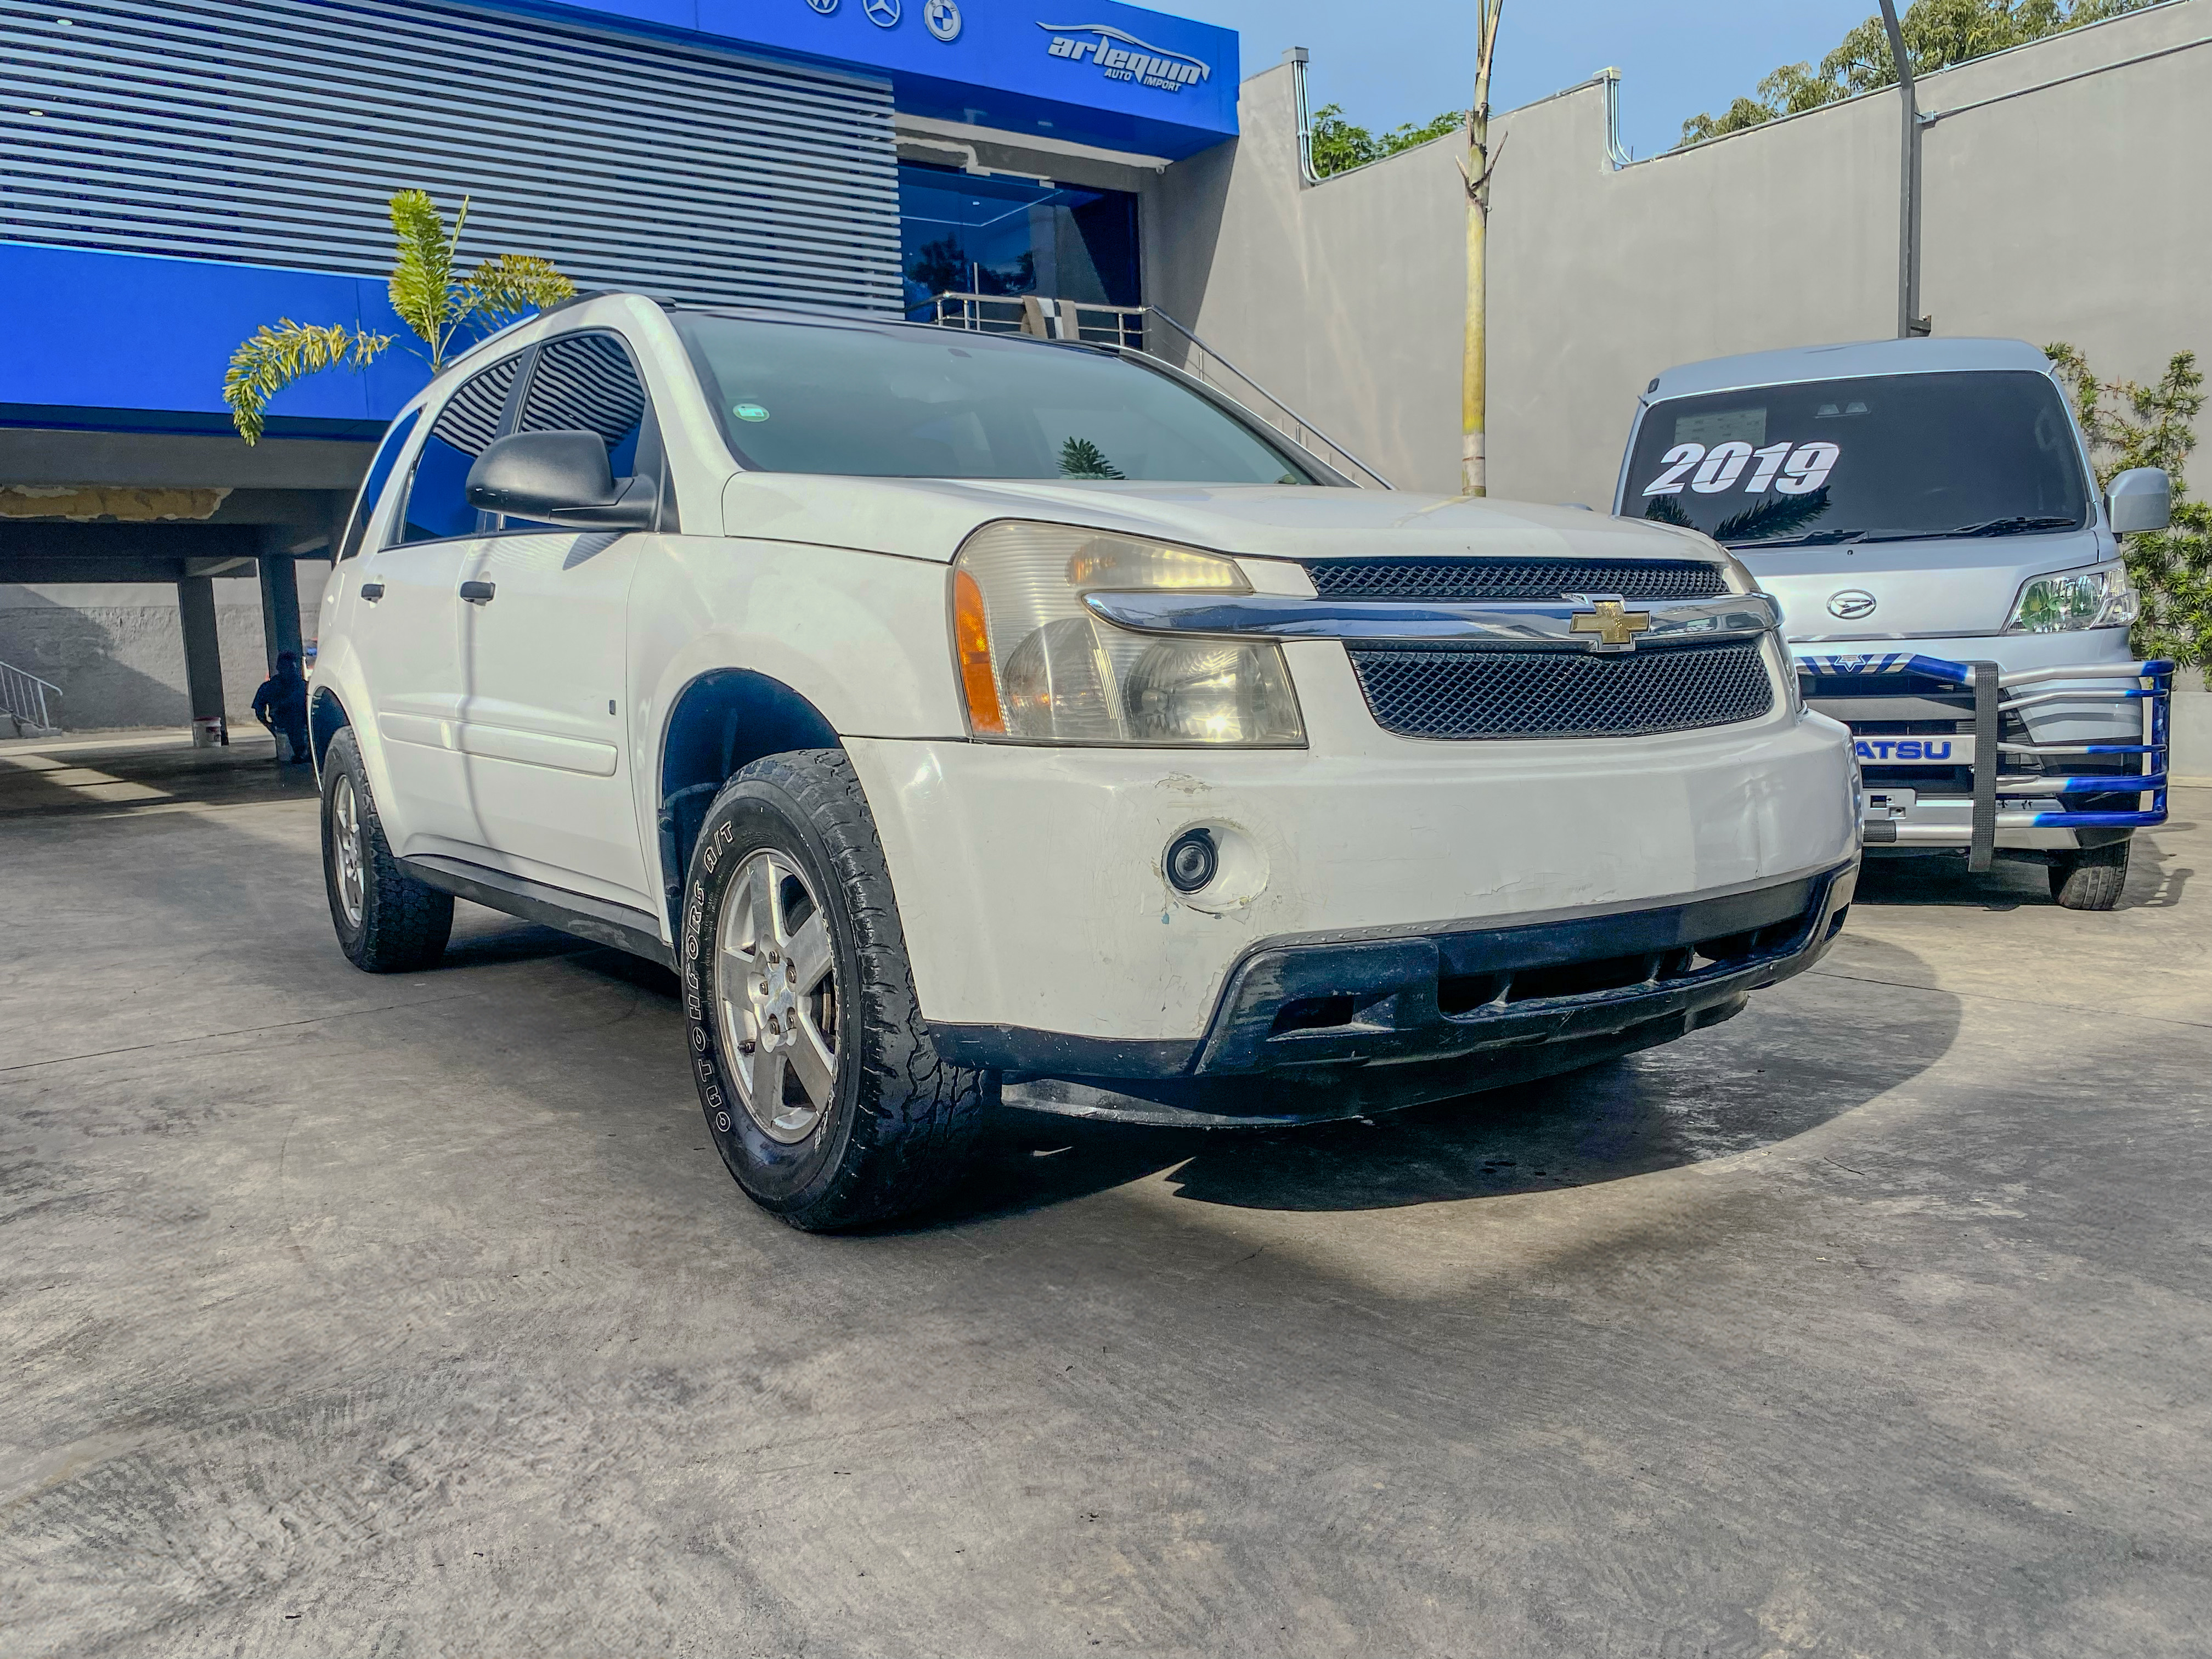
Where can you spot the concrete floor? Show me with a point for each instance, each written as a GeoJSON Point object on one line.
{"type": "Point", "coordinates": [411, 1316]}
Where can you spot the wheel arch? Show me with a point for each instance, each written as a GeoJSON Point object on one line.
{"type": "Point", "coordinates": [722, 720]}
{"type": "Point", "coordinates": [326, 718]}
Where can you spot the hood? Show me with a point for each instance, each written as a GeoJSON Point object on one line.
{"type": "Point", "coordinates": [929, 518]}
{"type": "Point", "coordinates": [1940, 588]}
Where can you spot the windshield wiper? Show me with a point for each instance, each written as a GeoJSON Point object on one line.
{"type": "Point", "coordinates": [2011, 526]}
{"type": "Point", "coordinates": [1812, 538]}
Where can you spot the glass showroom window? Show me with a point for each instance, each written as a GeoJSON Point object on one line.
{"type": "Point", "coordinates": [961, 233]}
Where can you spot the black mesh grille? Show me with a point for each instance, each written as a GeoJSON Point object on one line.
{"type": "Point", "coordinates": [1514, 579]}
{"type": "Point", "coordinates": [1446, 693]}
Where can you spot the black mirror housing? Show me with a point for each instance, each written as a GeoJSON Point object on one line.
{"type": "Point", "coordinates": [559, 477]}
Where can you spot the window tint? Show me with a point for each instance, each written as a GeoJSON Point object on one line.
{"type": "Point", "coordinates": [372, 488]}
{"type": "Point", "coordinates": [902, 401]}
{"type": "Point", "coordinates": [585, 383]}
{"type": "Point", "coordinates": [437, 505]}
{"type": "Point", "coordinates": [1883, 458]}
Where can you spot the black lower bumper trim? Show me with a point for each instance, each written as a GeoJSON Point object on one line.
{"type": "Point", "coordinates": [1324, 1008]}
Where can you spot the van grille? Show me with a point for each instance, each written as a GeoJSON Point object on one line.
{"type": "Point", "coordinates": [1444, 692]}
{"type": "Point", "coordinates": [1514, 579]}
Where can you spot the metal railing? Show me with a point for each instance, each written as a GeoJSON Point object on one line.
{"type": "Point", "coordinates": [1128, 328]}
{"type": "Point", "coordinates": [23, 700]}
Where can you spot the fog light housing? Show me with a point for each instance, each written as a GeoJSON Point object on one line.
{"type": "Point", "coordinates": [1191, 861]}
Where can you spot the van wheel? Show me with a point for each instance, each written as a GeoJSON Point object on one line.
{"type": "Point", "coordinates": [387, 921]}
{"type": "Point", "coordinates": [2092, 878]}
{"type": "Point", "coordinates": [825, 1096]}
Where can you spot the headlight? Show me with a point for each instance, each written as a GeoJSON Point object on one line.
{"type": "Point", "coordinates": [2100, 597]}
{"type": "Point", "coordinates": [1036, 667]}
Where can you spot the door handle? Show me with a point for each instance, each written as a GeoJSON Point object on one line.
{"type": "Point", "coordinates": [371, 592]}
{"type": "Point", "coordinates": [478, 592]}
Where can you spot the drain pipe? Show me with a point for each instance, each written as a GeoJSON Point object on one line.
{"type": "Point", "coordinates": [1296, 58]}
{"type": "Point", "coordinates": [1910, 321]}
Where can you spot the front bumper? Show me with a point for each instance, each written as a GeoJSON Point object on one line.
{"type": "Point", "coordinates": [1310, 1028]}
{"type": "Point", "coordinates": [1032, 895]}
{"type": "Point", "coordinates": [1917, 718]}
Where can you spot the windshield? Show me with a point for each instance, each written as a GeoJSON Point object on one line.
{"type": "Point", "coordinates": [912, 402]}
{"type": "Point", "coordinates": [1887, 456]}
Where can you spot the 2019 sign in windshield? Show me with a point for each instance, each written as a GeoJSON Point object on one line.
{"type": "Point", "coordinates": [1886, 456]}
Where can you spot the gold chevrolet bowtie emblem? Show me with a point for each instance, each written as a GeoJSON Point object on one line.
{"type": "Point", "coordinates": [1615, 626]}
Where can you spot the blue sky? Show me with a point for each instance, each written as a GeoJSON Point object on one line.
{"type": "Point", "coordinates": [1405, 60]}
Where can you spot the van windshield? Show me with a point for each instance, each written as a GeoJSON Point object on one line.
{"type": "Point", "coordinates": [914, 402]}
{"type": "Point", "coordinates": [1883, 458]}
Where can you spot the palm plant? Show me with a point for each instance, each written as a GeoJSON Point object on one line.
{"type": "Point", "coordinates": [432, 298]}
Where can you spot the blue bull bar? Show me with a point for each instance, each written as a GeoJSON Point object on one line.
{"type": "Point", "coordinates": [1997, 694]}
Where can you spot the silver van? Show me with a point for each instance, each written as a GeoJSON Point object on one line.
{"type": "Point", "coordinates": [1951, 584]}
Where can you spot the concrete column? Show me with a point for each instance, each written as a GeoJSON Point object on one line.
{"type": "Point", "coordinates": [203, 654]}
{"type": "Point", "coordinates": [280, 607]}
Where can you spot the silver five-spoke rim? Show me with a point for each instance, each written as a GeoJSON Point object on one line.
{"type": "Point", "coordinates": [346, 825]}
{"type": "Point", "coordinates": [775, 986]}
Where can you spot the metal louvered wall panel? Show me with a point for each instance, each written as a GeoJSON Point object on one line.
{"type": "Point", "coordinates": [272, 131]}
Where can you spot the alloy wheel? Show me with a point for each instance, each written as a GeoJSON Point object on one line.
{"type": "Point", "coordinates": [776, 991]}
{"type": "Point", "coordinates": [346, 839]}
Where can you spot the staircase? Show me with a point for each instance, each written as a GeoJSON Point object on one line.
{"type": "Point", "coordinates": [23, 703]}
{"type": "Point", "coordinates": [1130, 328]}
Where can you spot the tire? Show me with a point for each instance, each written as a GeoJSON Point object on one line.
{"type": "Point", "coordinates": [388, 923]}
{"type": "Point", "coordinates": [2092, 878]}
{"type": "Point", "coordinates": [840, 1110]}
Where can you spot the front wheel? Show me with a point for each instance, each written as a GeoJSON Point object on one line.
{"type": "Point", "coordinates": [2092, 878]}
{"type": "Point", "coordinates": [826, 1098]}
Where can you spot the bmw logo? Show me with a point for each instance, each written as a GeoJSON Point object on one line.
{"type": "Point", "coordinates": [1852, 604]}
{"type": "Point", "coordinates": [884, 13]}
{"type": "Point", "coordinates": [825, 7]}
{"type": "Point", "coordinates": [942, 19]}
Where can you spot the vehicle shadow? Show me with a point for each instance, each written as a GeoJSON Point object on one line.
{"type": "Point", "coordinates": [1774, 1073]}
{"type": "Point", "coordinates": [2012, 883]}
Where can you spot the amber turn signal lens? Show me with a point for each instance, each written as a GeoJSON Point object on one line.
{"type": "Point", "coordinates": [971, 639]}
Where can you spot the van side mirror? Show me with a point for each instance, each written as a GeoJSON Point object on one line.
{"type": "Point", "coordinates": [559, 477]}
{"type": "Point", "coordinates": [2141, 498]}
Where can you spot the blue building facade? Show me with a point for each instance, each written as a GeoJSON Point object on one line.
{"type": "Point", "coordinates": [182, 171]}
{"type": "Point", "coordinates": [200, 169]}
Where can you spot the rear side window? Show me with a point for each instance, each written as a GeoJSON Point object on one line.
{"type": "Point", "coordinates": [437, 501]}
{"type": "Point", "coordinates": [585, 383]}
{"type": "Point", "coordinates": [372, 488]}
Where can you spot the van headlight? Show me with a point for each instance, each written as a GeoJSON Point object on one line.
{"type": "Point", "coordinates": [2100, 597]}
{"type": "Point", "coordinates": [1036, 667]}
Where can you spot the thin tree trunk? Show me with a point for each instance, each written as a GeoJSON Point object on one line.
{"type": "Point", "coordinates": [1474, 390]}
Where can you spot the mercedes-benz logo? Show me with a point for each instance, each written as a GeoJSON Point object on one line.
{"type": "Point", "coordinates": [1852, 604]}
{"type": "Point", "coordinates": [884, 13]}
{"type": "Point", "coordinates": [825, 7]}
{"type": "Point", "coordinates": [942, 19]}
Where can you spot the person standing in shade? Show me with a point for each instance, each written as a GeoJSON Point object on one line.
{"type": "Point", "coordinates": [281, 705]}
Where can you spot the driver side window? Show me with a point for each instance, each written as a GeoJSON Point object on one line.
{"type": "Point", "coordinates": [437, 503]}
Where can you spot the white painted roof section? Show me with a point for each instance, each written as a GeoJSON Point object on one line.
{"type": "Point", "coordinates": [1852, 360]}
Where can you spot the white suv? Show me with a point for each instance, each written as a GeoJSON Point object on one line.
{"type": "Point", "coordinates": [968, 718]}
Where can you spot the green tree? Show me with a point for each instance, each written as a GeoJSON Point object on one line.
{"type": "Point", "coordinates": [433, 297]}
{"type": "Point", "coordinates": [1340, 145]}
{"type": "Point", "coordinates": [1081, 459]}
{"type": "Point", "coordinates": [2132, 424]}
{"type": "Point", "coordinates": [1938, 33]}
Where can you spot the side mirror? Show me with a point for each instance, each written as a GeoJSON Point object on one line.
{"type": "Point", "coordinates": [2142, 498]}
{"type": "Point", "coordinates": [559, 477]}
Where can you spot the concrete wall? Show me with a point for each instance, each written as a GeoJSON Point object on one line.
{"type": "Point", "coordinates": [1345, 299]}
{"type": "Point", "coordinates": [117, 649]}
{"type": "Point", "coordinates": [2082, 211]}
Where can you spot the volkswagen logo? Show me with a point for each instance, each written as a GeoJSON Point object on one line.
{"type": "Point", "coordinates": [825, 7]}
{"type": "Point", "coordinates": [1852, 604]}
{"type": "Point", "coordinates": [942, 19]}
{"type": "Point", "coordinates": [884, 13]}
